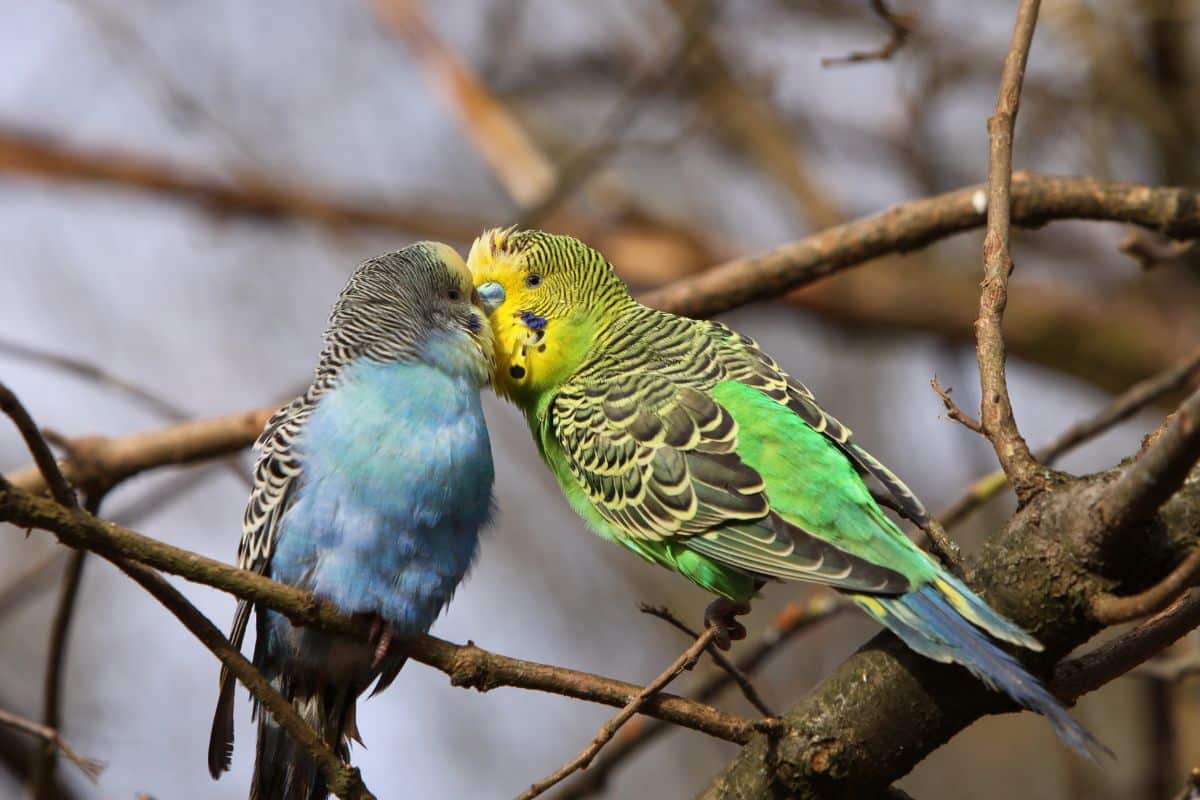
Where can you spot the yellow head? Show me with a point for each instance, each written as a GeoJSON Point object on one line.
{"type": "Point", "coordinates": [547, 297]}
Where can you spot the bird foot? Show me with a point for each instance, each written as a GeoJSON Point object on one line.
{"type": "Point", "coordinates": [380, 640]}
{"type": "Point", "coordinates": [721, 614]}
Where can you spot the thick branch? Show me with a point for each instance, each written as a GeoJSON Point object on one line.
{"type": "Point", "coordinates": [1156, 474]}
{"type": "Point", "coordinates": [466, 665]}
{"type": "Point", "coordinates": [1036, 200]}
{"type": "Point", "coordinates": [886, 708]}
{"type": "Point", "coordinates": [996, 414]}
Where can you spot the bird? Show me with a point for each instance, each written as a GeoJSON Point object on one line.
{"type": "Point", "coordinates": [683, 441]}
{"type": "Point", "coordinates": [370, 491]}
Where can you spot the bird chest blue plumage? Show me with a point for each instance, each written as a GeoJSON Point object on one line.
{"type": "Point", "coordinates": [396, 483]}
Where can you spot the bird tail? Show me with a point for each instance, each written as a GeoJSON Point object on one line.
{"type": "Point", "coordinates": [942, 619]}
{"type": "Point", "coordinates": [283, 770]}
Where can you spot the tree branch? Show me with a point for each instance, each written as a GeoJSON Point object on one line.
{"type": "Point", "coordinates": [51, 739]}
{"type": "Point", "coordinates": [39, 155]}
{"type": "Point", "coordinates": [909, 226]}
{"type": "Point", "coordinates": [899, 25]}
{"type": "Point", "coordinates": [1111, 660]}
{"type": "Point", "coordinates": [686, 661]}
{"type": "Point", "coordinates": [102, 463]}
{"type": "Point", "coordinates": [720, 659]}
{"type": "Point", "coordinates": [996, 414]}
{"type": "Point", "coordinates": [342, 779]}
{"type": "Point", "coordinates": [1131, 401]}
{"type": "Point", "coordinates": [886, 708]}
{"type": "Point", "coordinates": [56, 664]}
{"type": "Point", "coordinates": [1155, 475]}
{"type": "Point", "coordinates": [792, 620]}
{"type": "Point", "coordinates": [466, 665]}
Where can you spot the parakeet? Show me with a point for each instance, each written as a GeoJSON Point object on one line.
{"type": "Point", "coordinates": [370, 491]}
{"type": "Point", "coordinates": [683, 441]}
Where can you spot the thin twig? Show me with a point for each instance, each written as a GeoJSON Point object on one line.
{"type": "Point", "coordinates": [792, 620]}
{"type": "Point", "coordinates": [685, 661]}
{"type": "Point", "coordinates": [89, 371]}
{"type": "Point", "coordinates": [576, 168]}
{"type": "Point", "coordinates": [51, 738]}
{"type": "Point", "coordinates": [94, 373]}
{"type": "Point", "coordinates": [1130, 402]}
{"type": "Point", "coordinates": [56, 663]}
{"type": "Point", "coordinates": [944, 547]}
{"type": "Point", "coordinates": [1111, 609]}
{"type": "Point", "coordinates": [1090, 671]}
{"type": "Point", "coordinates": [60, 490]}
{"type": "Point", "coordinates": [953, 411]}
{"type": "Point", "coordinates": [996, 414]}
{"type": "Point", "coordinates": [341, 778]}
{"type": "Point", "coordinates": [900, 27]}
{"type": "Point", "coordinates": [1151, 252]}
{"type": "Point", "coordinates": [720, 659]}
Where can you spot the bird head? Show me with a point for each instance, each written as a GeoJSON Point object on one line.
{"type": "Point", "coordinates": [547, 296]}
{"type": "Point", "coordinates": [415, 304]}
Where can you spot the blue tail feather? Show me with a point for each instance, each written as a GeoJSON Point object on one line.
{"type": "Point", "coordinates": [931, 623]}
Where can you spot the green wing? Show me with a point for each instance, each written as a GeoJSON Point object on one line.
{"type": "Point", "coordinates": [752, 367]}
{"type": "Point", "coordinates": [661, 462]}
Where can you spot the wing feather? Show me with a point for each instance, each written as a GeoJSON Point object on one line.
{"type": "Point", "coordinates": [659, 460]}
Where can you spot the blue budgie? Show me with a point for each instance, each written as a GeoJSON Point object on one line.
{"type": "Point", "coordinates": [370, 491]}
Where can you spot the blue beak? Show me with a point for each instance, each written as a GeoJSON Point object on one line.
{"type": "Point", "coordinates": [491, 295]}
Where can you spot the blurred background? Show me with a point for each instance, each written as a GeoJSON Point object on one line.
{"type": "Point", "coordinates": [185, 186]}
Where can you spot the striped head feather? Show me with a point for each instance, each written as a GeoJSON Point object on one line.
{"type": "Point", "coordinates": [558, 297]}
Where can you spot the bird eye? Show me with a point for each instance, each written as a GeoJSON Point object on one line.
{"type": "Point", "coordinates": [455, 295]}
{"type": "Point", "coordinates": [533, 281]}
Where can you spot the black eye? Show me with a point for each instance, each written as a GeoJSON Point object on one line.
{"type": "Point", "coordinates": [533, 281]}
{"type": "Point", "coordinates": [455, 295]}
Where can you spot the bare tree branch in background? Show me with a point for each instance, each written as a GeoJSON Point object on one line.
{"type": "Point", "coordinates": [900, 27]}
{"type": "Point", "coordinates": [51, 739]}
{"type": "Point", "coordinates": [40, 155]}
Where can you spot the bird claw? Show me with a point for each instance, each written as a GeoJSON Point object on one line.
{"type": "Point", "coordinates": [721, 614]}
{"type": "Point", "coordinates": [380, 640]}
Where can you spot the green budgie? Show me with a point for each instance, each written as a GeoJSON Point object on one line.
{"type": "Point", "coordinates": [681, 440]}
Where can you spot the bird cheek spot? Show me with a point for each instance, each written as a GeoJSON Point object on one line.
{"type": "Point", "coordinates": [516, 371]}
